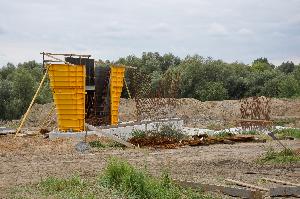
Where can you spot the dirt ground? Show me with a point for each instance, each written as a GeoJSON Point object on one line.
{"type": "Point", "coordinates": [27, 160]}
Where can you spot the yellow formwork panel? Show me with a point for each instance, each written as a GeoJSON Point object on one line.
{"type": "Point", "coordinates": [116, 86]}
{"type": "Point", "coordinates": [68, 87]}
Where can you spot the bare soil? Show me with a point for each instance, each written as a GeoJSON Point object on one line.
{"type": "Point", "coordinates": [27, 160]}
{"type": "Point", "coordinates": [213, 114]}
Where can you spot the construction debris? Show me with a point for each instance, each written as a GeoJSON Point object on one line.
{"type": "Point", "coordinates": [158, 141]}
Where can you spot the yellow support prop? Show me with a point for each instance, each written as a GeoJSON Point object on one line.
{"type": "Point", "coordinates": [32, 101]}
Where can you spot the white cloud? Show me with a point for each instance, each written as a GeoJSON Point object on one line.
{"type": "Point", "coordinates": [217, 29]}
{"type": "Point", "coordinates": [245, 31]}
{"type": "Point", "coordinates": [160, 28]}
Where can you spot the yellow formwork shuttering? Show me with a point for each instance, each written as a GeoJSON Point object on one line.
{"type": "Point", "coordinates": [116, 86]}
{"type": "Point", "coordinates": [68, 87]}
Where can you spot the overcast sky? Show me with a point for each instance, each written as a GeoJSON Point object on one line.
{"type": "Point", "coordinates": [232, 30]}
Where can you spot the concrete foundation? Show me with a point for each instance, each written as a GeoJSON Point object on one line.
{"type": "Point", "coordinates": [122, 130]}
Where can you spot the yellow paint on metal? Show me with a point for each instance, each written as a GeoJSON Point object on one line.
{"type": "Point", "coordinates": [68, 87]}
{"type": "Point", "coordinates": [116, 86]}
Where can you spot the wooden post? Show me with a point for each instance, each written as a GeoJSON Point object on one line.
{"type": "Point", "coordinates": [32, 101]}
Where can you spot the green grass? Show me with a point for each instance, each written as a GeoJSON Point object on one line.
{"type": "Point", "coordinates": [284, 156]}
{"type": "Point", "coordinates": [295, 133]}
{"type": "Point", "coordinates": [73, 187]}
{"type": "Point", "coordinates": [223, 134]}
{"type": "Point", "coordinates": [119, 180]}
{"type": "Point", "coordinates": [98, 144]}
{"type": "Point", "coordinates": [137, 184]}
{"type": "Point", "coordinates": [139, 133]}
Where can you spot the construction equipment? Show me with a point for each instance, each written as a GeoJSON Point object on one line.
{"type": "Point", "coordinates": [82, 92]}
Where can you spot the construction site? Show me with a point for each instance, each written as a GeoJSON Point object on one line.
{"type": "Point", "coordinates": [225, 148]}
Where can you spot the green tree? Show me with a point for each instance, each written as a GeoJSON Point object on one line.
{"type": "Point", "coordinates": [211, 91]}
{"type": "Point", "coordinates": [286, 67]}
{"type": "Point", "coordinates": [289, 87]}
{"type": "Point", "coordinates": [257, 80]}
{"type": "Point", "coordinates": [296, 73]}
{"type": "Point", "coordinates": [23, 88]}
{"type": "Point", "coordinates": [261, 64]}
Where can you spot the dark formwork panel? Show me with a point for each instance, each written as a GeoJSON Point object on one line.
{"type": "Point", "coordinates": [89, 68]}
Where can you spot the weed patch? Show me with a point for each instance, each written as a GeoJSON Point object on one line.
{"type": "Point", "coordinates": [223, 134]}
{"type": "Point", "coordinates": [284, 156]}
{"type": "Point", "coordinates": [283, 133]}
{"type": "Point", "coordinates": [97, 144]}
{"type": "Point", "coordinates": [138, 184]}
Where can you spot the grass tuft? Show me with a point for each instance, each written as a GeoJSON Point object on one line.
{"type": "Point", "coordinates": [283, 133]}
{"type": "Point", "coordinates": [99, 145]}
{"type": "Point", "coordinates": [73, 187]}
{"type": "Point", "coordinates": [223, 134]}
{"type": "Point", "coordinates": [96, 144]}
{"type": "Point", "coordinates": [284, 156]}
{"type": "Point", "coordinates": [138, 184]}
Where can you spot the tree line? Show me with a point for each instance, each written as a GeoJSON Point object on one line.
{"type": "Point", "coordinates": [196, 77]}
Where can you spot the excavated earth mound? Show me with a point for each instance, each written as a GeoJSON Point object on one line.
{"type": "Point", "coordinates": [211, 114]}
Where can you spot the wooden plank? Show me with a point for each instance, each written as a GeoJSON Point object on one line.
{"type": "Point", "coordinates": [284, 191]}
{"type": "Point", "coordinates": [282, 182]}
{"type": "Point", "coordinates": [247, 185]}
{"type": "Point", "coordinates": [114, 138]}
{"type": "Point", "coordinates": [231, 191]}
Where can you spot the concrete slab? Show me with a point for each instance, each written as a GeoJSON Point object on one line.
{"type": "Point", "coordinates": [122, 131]}
{"type": "Point", "coordinates": [5, 131]}
{"type": "Point", "coordinates": [78, 135]}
